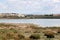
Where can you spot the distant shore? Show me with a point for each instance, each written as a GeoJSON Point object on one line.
{"type": "Point", "coordinates": [22, 16]}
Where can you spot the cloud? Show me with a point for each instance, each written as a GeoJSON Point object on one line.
{"type": "Point", "coordinates": [11, 0]}
{"type": "Point", "coordinates": [56, 0]}
{"type": "Point", "coordinates": [32, 6]}
{"type": "Point", "coordinates": [2, 6]}
{"type": "Point", "coordinates": [24, 6]}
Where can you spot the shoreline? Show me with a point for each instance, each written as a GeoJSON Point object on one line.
{"type": "Point", "coordinates": [28, 24]}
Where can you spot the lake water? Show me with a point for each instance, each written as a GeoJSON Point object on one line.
{"type": "Point", "coordinates": [42, 22]}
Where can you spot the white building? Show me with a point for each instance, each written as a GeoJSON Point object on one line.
{"type": "Point", "coordinates": [21, 15]}
{"type": "Point", "coordinates": [11, 14]}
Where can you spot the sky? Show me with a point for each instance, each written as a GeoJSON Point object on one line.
{"type": "Point", "coordinates": [30, 6]}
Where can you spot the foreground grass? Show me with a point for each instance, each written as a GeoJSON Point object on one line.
{"type": "Point", "coordinates": [31, 32]}
{"type": "Point", "coordinates": [6, 34]}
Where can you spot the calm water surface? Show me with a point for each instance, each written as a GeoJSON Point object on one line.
{"type": "Point", "coordinates": [42, 22]}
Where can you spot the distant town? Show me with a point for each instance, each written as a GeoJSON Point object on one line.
{"type": "Point", "coordinates": [23, 16]}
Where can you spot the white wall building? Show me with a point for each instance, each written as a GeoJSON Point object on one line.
{"type": "Point", "coordinates": [21, 15]}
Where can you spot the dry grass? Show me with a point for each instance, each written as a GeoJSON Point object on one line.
{"type": "Point", "coordinates": [19, 33]}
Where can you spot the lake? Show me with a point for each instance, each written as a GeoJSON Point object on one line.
{"type": "Point", "coordinates": [42, 22]}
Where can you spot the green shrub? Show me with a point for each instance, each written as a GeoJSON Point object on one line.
{"type": "Point", "coordinates": [10, 35]}
{"type": "Point", "coordinates": [35, 36]}
{"type": "Point", "coordinates": [6, 25]}
{"type": "Point", "coordinates": [3, 31]}
{"type": "Point", "coordinates": [4, 37]}
{"type": "Point", "coordinates": [13, 30]}
{"type": "Point", "coordinates": [18, 36]}
{"type": "Point", "coordinates": [21, 36]}
{"type": "Point", "coordinates": [58, 31]}
{"type": "Point", "coordinates": [33, 26]}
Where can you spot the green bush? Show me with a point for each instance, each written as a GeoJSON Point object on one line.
{"type": "Point", "coordinates": [13, 30]}
{"type": "Point", "coordinates": [6, 25]}
{"type": "Point", "coordinates": [33, 26]}
{"type": "Point", "coordinates": [21, 36]}
{"type": "Point", "coordinates": [10, 35]}
{"type": "Point", "coordinates": [18, 36]}
{"type": "Point", "coordinates": [35, 36]}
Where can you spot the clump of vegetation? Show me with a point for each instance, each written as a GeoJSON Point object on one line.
{"type": "Point", "coordinates": [58, 31]}
{"type": "Point", "coordinates": [18, 36]}
{"type": "Point", "coordinates": [33, 26]}
{"type": "Point", "coordinates": [35, 36]}
{"type": "Point", "coordinates": [6, 25]}
{"type": "Point", "coordinates": [13, 30]}
{"type": "Point", "coordinates": [49, 34]}
{"type": "Point", "coordinates": [21, 36]}
{"type": "Point", "coordinates": [3, 31]}
{"type": "Point", "coordinates": [4, 38]}
{"type": "Point", "coordinates": [10, 35]}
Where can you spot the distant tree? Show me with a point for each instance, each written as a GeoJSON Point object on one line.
{"type": "Point", "coordinates": [48, 15]}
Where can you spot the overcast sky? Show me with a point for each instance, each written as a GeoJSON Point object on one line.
{"type": "Point", "coordinates": [30, 6]}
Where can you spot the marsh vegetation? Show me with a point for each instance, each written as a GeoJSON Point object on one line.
{"type": "Point", "coordinates": [28, 32]}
